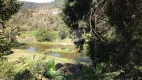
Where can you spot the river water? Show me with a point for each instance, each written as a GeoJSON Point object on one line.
{"type": "Point", "coordinates": [40, 48]}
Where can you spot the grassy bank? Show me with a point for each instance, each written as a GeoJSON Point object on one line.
{"type": "Point", "coordinates": [24, 53]}
{"type": "Point", "coordinates": [53, 36]}
{"type": "Point", "coordinates": [24, 57]}
{"type": "Point", "coordinates": [60, 50]}
{"type": "Point", "coordinates": [50, 43]}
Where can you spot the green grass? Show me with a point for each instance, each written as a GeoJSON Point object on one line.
{"type": "Point", "coordinates": [48, 43]}
{"type": "Point", "coordinates": [29, 58]}
{"type": "Point", "coordinates": [30, 33]}
{"type": "Point", "coordinates": [41, 34]}
{"type": "Point", "coordinates": [34, 32]}
{"type": "Point", "coordinates": [52, 43]}
{"type": "Point", "coordinates": [24, 53]}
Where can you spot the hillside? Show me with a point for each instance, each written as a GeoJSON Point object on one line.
{"type": "Point", "coordinates": [39, 15]}
{"type": "Point", "coordinates": [32, 5]}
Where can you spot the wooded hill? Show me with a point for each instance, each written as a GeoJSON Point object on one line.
{"type": "Point", "coordinates": [32, 5]}
{"type": "Point", "coordinates": [39, 15]}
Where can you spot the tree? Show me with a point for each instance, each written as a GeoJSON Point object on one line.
{"type": "Point", "coordinates": [114, 30]}
{"type": "Point", "coordinates": [7, 9]}
{"type": "Point", "coordinates": [125, 49]}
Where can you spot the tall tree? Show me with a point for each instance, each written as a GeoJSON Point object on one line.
{"type": "Point", "coordinates": [7, 9]}
{"type": "Point", "coordinates": [114, 28]}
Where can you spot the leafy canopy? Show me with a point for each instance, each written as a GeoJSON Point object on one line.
{"type": "Point", "coordinates": [114, 27]}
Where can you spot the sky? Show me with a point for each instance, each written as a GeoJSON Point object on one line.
{"type": "Point", "coordinates": [38, 1]}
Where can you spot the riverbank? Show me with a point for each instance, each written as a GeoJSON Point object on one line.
{"type": "Point", "coordinates": [23, 58]}
{"type": "Point", "coordinates": [17, 53]}
{"type": "Point", "coordinates": [48, 48]}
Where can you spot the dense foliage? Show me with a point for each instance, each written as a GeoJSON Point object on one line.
{"type": "Point", "coordinates": [44, 35]}
{"type": "Point", "coordinates": [39, 15]}
{"type": "Point", "coordinates": [112, 30]}
{"type": "Point", "coordinates": [125, 48]}
{"type": "Point", "coordinates": [7, 9]}
{"type": "Point", "coordinates": [6, 69]}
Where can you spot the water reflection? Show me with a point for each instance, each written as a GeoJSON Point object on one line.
{"type": "Point", "coordinates": [43, 47]}
{"type": "Point", "coordinates": [40, 48]}
{"type": "Point", "coordinates": [56, 55]}
{"type": "Point", "coordinates": [31, 49]}
{"type": "Point", "coordinates": [84, 59]}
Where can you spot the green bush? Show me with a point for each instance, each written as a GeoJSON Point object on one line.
{"type": "Point", "coordinates": [4, 45]}
{"type": "Point", "coordinates": [22, 60]}
{"type": "Point", "coordinates": [44, 35]}
{"type": "Point", "coordinates": [51, 67]}
{"type": "Point", "coordinates": [97, 73]}
{"type": "Point", "coordinates": [37, 68]}
{"type": "Point", "coordinates": [24, 75]}
{"type": "Point", "coordinates": [52, 73]}
{"type": "Point", "coordinates": [6, 69]}
{"type": "Point", "coordinates": [42, 68]}
{"type": "Point", "coordinates": [63, 34]}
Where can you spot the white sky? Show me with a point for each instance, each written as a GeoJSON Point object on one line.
{"type": "Point", "coordinates": [38, 1]}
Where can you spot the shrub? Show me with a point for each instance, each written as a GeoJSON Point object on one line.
{"type": "Point", "coordinates": [6, 69]}
{"type": "Point", "coordinates": [63, 34]}
{"type": "Point", "coordinates": [38, 68]}
{"type": "Point", "coordinates": [52, 73]}
{"type": "Point", "coordinates": [4, 46]}
{"type": "Point", "coordinates": [43, 35]}
{"type": "Point", "coordinates": [24, 75]}
{"type": "Point", "coordinates": [22, 60]}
